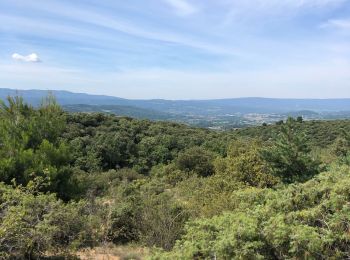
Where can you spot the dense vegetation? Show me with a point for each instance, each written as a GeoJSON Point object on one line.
{"type": "Point", "coordinates": [73, 181]}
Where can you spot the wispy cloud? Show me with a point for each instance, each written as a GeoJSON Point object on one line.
{"type": "Point", "coordinates": [33, 57]}
{"type": "Point", "coordinates": [106, 21]}
{"type": "Point", "coordinates": [250, 9]}
{"type": "Point", "coordinates": [341, 24]}
{"type": "Point", "coordinates": [295, 4]}
{"type": "Point", "coordinates": [182, 7]}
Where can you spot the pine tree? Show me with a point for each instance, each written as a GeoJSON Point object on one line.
{"type": "Point", "coordinates": [289, 157]}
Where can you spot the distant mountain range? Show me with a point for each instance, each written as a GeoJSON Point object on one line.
{"type": "Point", "coordinates": [243, 105]}
{"type": "Point", "coordinates": [188, 110]}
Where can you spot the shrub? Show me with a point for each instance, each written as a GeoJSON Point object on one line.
{"type": "Point", "coordinates": [197, 160]}
{"type": "Point", "coordinates": [31, 225]}
{"type": "Point", "coordinates": [302, 221]}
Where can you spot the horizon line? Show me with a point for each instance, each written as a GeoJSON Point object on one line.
{"type": "Point", "coordinates": [200, 99]}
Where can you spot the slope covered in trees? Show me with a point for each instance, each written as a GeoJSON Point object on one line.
{"type": "Point", "coordinates": [75, 181]}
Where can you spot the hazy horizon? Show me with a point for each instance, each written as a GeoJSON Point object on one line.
{"type": "Point", "coordinates": [184, 99]}
{"type": "Point", "coordinates": [178, 49]}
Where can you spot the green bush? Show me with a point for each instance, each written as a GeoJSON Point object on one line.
{"type": "Point", "coordinates": [33, 225]}
{"type": "Point", "coordinates": [304, 221]}
{"type": "Point", "coordinates": [197, 160]}
{"type": "Point", "coordinates": [244, 164]}
{"type": "Point", "coordinates": [30, 144]}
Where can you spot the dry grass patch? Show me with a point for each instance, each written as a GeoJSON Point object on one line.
{"type": "Point", "coordinates": [112, 252]}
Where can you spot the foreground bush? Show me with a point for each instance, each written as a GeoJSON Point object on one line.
{"type": "Point", "coordinates": [33, 225]}
{"type": "Point", "coordinates": [304, 221]}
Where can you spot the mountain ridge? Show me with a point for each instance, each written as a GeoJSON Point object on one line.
{"type": "Point", "coordinates": [190, 107]}
{"type": "Point", "coordinates": [43, 91]}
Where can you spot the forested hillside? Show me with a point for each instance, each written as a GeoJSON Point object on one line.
{"type": "Point", "coordinates": [74, 181]}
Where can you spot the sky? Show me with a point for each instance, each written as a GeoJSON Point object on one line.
{"type": "Point", "coordinates": [178, 49]}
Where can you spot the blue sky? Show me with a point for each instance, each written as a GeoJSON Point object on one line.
{"type": "Point", "coordinates": [178, 49]}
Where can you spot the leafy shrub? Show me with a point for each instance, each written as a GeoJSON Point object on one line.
{"type": "Point", "coordinates": [244, 164]}
{"type": "Point", "coordinates": [32, 225]}
{"type": "Point", "coordinates": [197, 160]}
{"type": "Point", "coordinates": [309, 221]}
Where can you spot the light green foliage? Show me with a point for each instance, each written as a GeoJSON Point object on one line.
{"type": "Point", "coordinates": [341, 147]}
{"type": "Point", "coordinates": [304, 221]}
{"type": "Point", "coordinates": [142, 210]}
{"type": "Point", "coordinates": [216, 194]}
{"type": "Point", "coordinates": [244, 164]}
{"type": "Point", "coordinates": [30, 144]}
{"type": "Point", "coordinates": [169, 174]}
{"type": "Point", "coordinates": [160, 221]}
{"type": "Point", "coordinates": [31, 225]}
{"type": "Point", "coordinates": [242, 169]}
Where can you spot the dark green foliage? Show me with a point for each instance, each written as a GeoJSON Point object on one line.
{"type": "Point", "coordinates": [317, 133]}
{"type": "Point", "coordinates": [197, 160]}
{"type": "Point", "coordinates": [103, 142]}
{"type": "Point", "coordinates": [289, 157]}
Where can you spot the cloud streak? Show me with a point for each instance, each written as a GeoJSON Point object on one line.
{"type": "Point", "coordinates": [33, 57]}
{"type": "Point", "coordinates": [182, 7]}
{"type": "Point", "coordinates": [112, 23]}
{"type": "Point", "coordinates": [256, 9]}
{"type": "Point", "coordinates": [342, 24]}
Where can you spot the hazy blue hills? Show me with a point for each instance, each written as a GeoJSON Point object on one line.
{"type": "Point", "coordinates": [250, 104]}
{"type": "Point", "coordinates": [34, 97]}
{"type": "Point", "coordinates": [232, 112]}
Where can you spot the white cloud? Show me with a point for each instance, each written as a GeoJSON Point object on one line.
{"type": "Point", "coordinates": [33, 57]}
{"type": "Point", "coordinates": [182, 7]}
